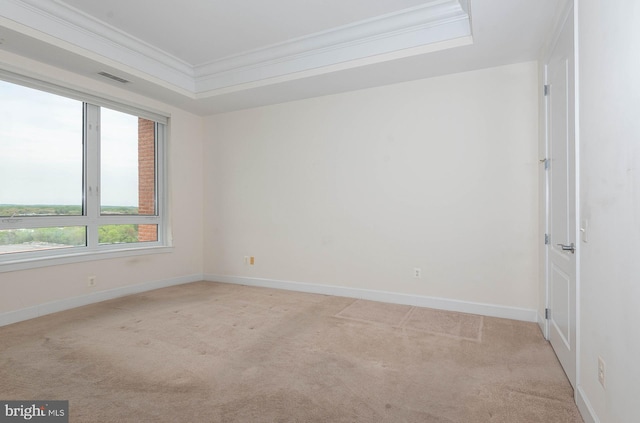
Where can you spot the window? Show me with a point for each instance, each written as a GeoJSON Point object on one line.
{"type": "Point", "coordinates": [78, 175]}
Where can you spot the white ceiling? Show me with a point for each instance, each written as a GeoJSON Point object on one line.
{"type": "Point", "coordinates": [212, 56]}
{"type": "Point", "coordinates": [200, 31]}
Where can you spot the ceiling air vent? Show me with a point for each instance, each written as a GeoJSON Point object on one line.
{"type": "Point", "coordinates": [115, 78]}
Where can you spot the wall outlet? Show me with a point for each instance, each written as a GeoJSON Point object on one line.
{"type": "Point", "coordinates": [91, 281]}
{"type": "Point", "coordinates": [417, 272]}
{"type": "Point", "coordinates": [601, 369]}
{"type": "Point", "coordinates": [246, 260]}
{"type": "Point", "coordinates": [252, 260]}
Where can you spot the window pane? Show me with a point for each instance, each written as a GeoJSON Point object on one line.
{"type": "Point", "coordinates": [123, 234]}
{"type": "Point", "coordinates": [41, 153]}
{"type": "Point", "coordinates": [19, 240]}
{"type": "Point", "coordinates": [128, 180]}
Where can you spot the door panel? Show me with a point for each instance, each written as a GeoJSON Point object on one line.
{"type": "Point", "coordinates": [561, 276]}
{"type": "Point", "coordinates": [560, 297]}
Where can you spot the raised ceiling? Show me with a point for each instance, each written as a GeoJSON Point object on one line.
{"type": "Point", "coordinates": [199, 32]}
{"type": "Point", "coordinates": [211, 56]}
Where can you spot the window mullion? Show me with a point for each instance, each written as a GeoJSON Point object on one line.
{"type": "Point", "coordinates": [92, 172]}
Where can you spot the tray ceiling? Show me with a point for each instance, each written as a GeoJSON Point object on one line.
{"type": "Point", "coordinates": [212, 56]}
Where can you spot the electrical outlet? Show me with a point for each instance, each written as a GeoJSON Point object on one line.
{"type": "Point", "coordinates": [91, 281]}
{"type": "Point", "coordinates": [252, 260]}
{"type": "Point", "coordinates": [417, 272]}
{"type": "Point", "coordinates": [246, 260]}
{"type": "Point", "coordinates": [601, 369]}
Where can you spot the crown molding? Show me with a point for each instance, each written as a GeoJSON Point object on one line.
{"type": "Point", "coordinates": [61, 25]}
{"type": "Point", "coordinates": [384, 26]}
{"type": "Point", "coordinates": [435, 25]}
{"type": "Point", "coordinates": [409, 31]}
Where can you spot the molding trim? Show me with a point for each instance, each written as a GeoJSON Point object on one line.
{"type": "Point", "coordinates": [376, 38]}
{"type": "Point", "coordinates": [95, 297]}
{"type": "Point", "coordinates": [62, 26]}
{"type": "Point", "coordinates": [585, 408]}
{"type": "Point", "coordinates": [435, 25]}
{"type": "Point", "coordinates": [490, 310]}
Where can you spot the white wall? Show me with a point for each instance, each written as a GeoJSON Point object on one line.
{"type": "Point", "coordinates": [358, 189]}
{"type": "Point", "coordinates": [29, 289]}
{"type": "Point", "coordinates": [609, 122]}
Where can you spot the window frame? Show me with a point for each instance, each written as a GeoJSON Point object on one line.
{"type": "Point", "coordinates": [91, 218]}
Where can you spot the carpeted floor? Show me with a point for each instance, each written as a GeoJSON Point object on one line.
{"type": "Point", "coordinates": [209, 352]}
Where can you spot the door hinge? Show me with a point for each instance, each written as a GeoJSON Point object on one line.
{"type": "Point", "coordinates": [547, 313]}
{"type": "Point", "coordinates": [546, 89]}
{"type": "Point", "coordinates": [547, 241]}
{"type": "Point", "coordinates": [545, 162]}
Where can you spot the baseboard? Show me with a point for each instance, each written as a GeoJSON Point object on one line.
{"type": "Point", "coordinates": [384, 296]}
{"type": "Point", "coordinates": [341, 291]}
{"type": "Point", "coordinates": [95, 297]}
{"type": "Point", "coordinates": [585, 408]}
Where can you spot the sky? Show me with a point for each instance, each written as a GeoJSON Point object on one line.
{"type": "Point", "coordinates": [41, 150]}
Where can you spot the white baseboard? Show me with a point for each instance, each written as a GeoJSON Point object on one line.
{"type": "Point", "coordinates": [585, 408]}
{"type": "Point", "coordinates": [95, 297]}
{"type": "Point", "coordinates": [384, 296]}
{"type": "Point", "coordinates": [492, 310]}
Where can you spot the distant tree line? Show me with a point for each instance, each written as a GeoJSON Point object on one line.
{"type": "Point", "coordinates": [58, 210]}
{"type": "Point", "coordinates": [71, 235]}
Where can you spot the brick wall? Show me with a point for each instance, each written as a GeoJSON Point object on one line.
{"type": "Point", "coordinates": [146, 178]}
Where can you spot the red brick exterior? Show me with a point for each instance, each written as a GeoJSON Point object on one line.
{"type": "Point", "coordinates": [146, 178]}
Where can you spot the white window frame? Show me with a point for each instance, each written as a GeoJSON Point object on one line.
{"type": "Point", "coordinates": [91, 218]}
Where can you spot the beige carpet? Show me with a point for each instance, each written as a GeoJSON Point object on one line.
{"type": "Point", "coordinates": [209, 352]}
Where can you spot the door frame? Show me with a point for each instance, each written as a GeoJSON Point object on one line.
{"type": "Point", "coordinates": [569, 11]}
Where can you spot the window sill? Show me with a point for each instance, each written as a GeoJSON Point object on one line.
{"type": "Point", "coordinates": [78, 257]}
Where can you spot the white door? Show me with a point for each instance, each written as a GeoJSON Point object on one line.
{"type": "Point", "coordinates": [561, 269]}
